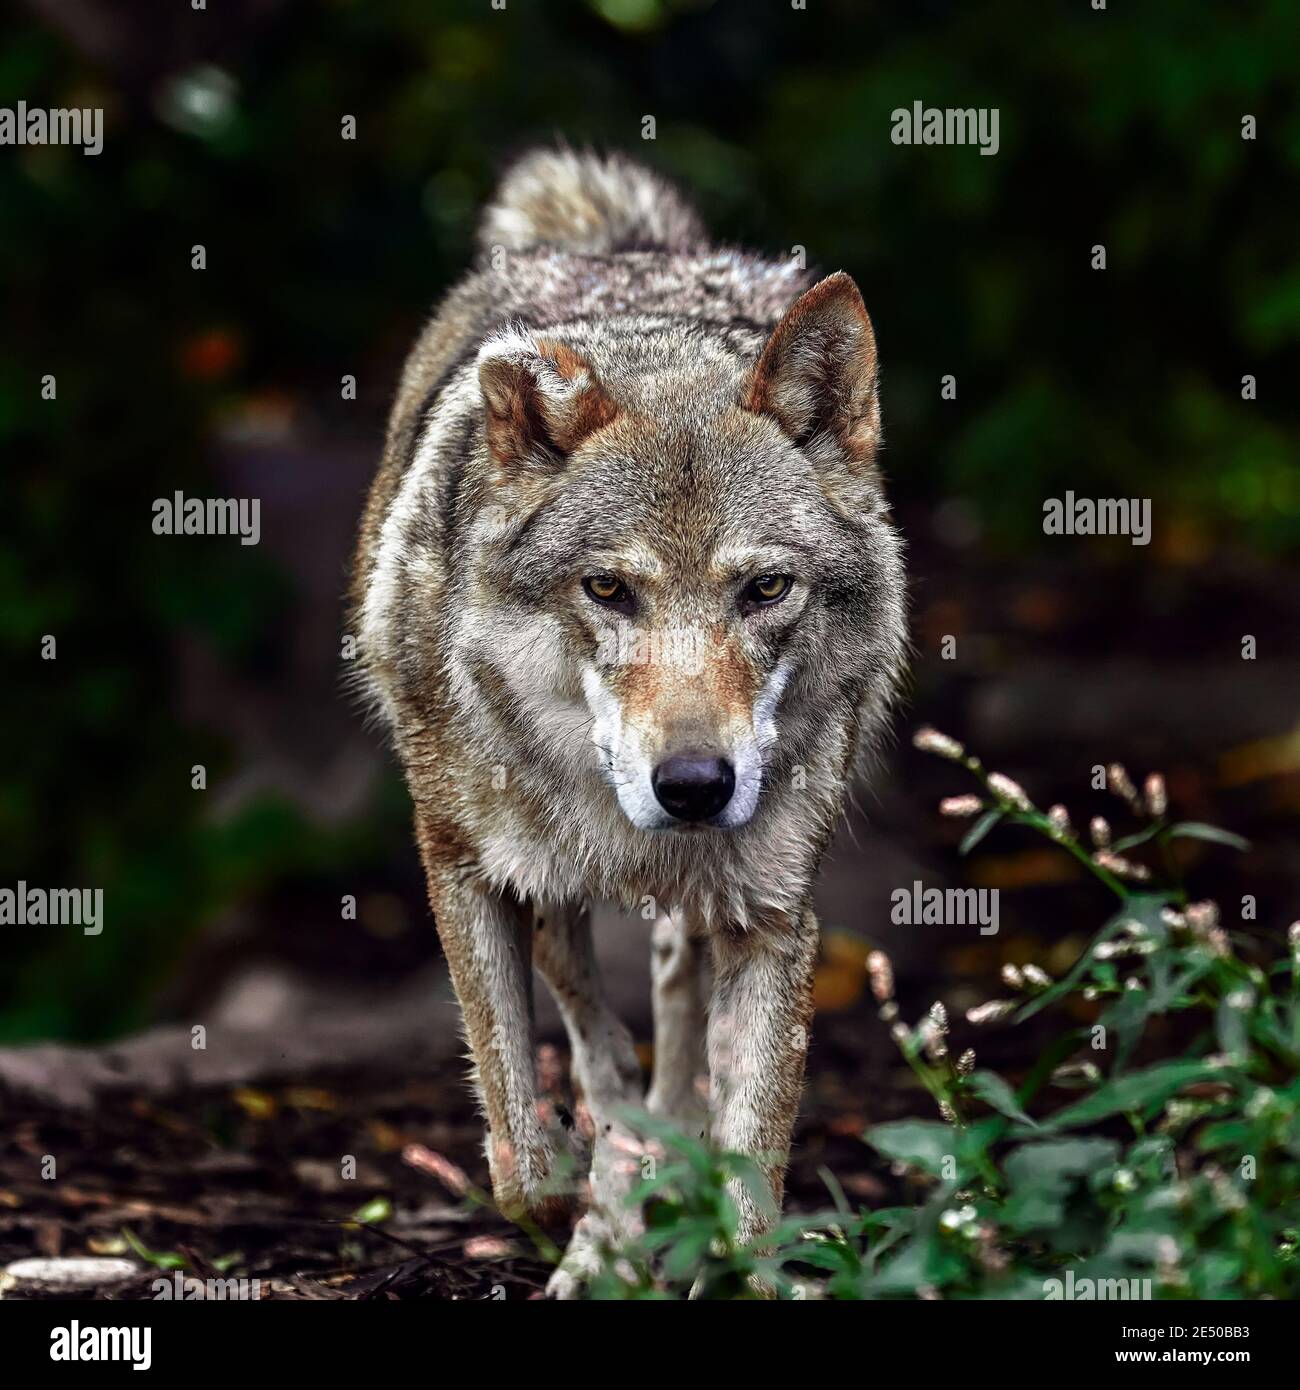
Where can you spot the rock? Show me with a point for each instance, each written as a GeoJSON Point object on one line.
{"type": "Point", "coordinates": [72, 1277]}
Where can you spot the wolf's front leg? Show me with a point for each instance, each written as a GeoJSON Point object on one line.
{"type": "Point", "coordinates": [488, 944]}
{"type": "Point", "coordinates": [605, 1065]}
{"type": "Point", "coordinates": [758, 1038]}
{"type": "Point", "coordinates": [677, 969]}
{"type": "Point", "coordinates": [608, 1074]}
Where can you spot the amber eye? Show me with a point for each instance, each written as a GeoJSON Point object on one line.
{"type": "Point", "coordinates": [604, 588]}
{"type": "Point", "coordinates": [767, 588]}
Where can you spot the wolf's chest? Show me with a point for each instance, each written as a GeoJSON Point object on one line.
{"type": "Point", "coordinates": [725, 879]}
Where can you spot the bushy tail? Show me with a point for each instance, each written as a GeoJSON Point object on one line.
{"type": "Point", "coordinates": [587, 203]}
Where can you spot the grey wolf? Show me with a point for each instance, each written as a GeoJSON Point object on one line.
{"type": "Point", "coordinates": [628, 597]}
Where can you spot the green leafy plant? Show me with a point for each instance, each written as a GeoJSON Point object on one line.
{"type": "Point", "coordinates": [1114, 1168]}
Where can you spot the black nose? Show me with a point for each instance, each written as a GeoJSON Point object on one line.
{"type": "Point", "coordinates": [693, 786]}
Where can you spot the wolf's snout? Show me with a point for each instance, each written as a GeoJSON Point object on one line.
{"type": "Point", "coordinates": [693, 786]}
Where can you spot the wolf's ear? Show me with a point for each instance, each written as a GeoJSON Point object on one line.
{"type": "Point", "coordinates": [541, 397]}
{"type": "Point", "coordinates": [816, 375]}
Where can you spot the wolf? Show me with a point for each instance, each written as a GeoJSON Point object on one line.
{"type": "Point", "coordinates": [629, 599]}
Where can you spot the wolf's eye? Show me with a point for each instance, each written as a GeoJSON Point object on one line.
{"type": "Point", "coordinates": [604, 588]}
{"type": "Point", "coordinates": [767, 589]}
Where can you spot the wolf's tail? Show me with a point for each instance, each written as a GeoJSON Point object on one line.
{"type": "Point", "coordinates": [587, 203]}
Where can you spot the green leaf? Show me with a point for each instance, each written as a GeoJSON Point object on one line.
{"type": "Point", "coordinates": [1127, 1016]}
{"type": "Point", "coordinates": [1231, 1029]}
{"type": "Point", "coordinates": [1133, 841]}
{"type": "Point", "coordinates": [1042, 1176]}
{"type": "Point", "coordinates": [688, 1250]}
{"type": "Point", "coordinates": [156, 1258]}
{"type": "Point", "coordinates": [978, 831]}
{"type": "Point", "coordinates": [1226, 1134]}
{"type": "Point", "coordinates": [1136, 1091]}
{"type": "Point", "coordinates": [1144, 908]}
{"type": "Point", "coordinates": [821, 1256]}
{"type": "Point", "coordinates": [923, 1143]}
{"type": "Point", "coordinates": [374, 1211]}
{"type": "Point", "coordinates": [1196, 830]}
{"type": "Point", "coordinates": [994, 1091]}
{"type": "Point", "coordinates": [889, 1219]}
{"type": "Point", "coordinates": [1049, 1163]}
{"type": "Point", "coordinates": [1171, 990]}
{"type": "Point", "coordinates": [790, 1230]}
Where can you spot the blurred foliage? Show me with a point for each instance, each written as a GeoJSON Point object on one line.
{"type": "Point", "coordinates": [223, 127]}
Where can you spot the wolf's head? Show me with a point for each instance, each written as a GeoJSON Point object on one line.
{"type": "Point", "coordinates": [684, 545]}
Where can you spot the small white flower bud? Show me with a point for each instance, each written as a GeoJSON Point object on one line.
{"type": "Point", "coordinates": [1060, 819]}
{"type": "Point", "coordinates": [932, 1040]}
{"type": "Point", "coordinates": [880, 972]}
{"type": "Point", "coordinates": [1008, 791]}
{"type": "Point", "coordinates": [1202, 916]}
{"type": "Point", "coordinates": [1121, 867]}
{"type": "Point", "coordinates": [930, 740]}
{"type": "Point", "coordinates": [1119, 782]}
{"type": "Point", "coordinates": [991, 1012]}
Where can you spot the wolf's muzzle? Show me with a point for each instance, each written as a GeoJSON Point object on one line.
{"type": "Point", "coordinates": [693, 786]}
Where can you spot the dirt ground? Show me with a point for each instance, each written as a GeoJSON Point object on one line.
{"type": "Point", "coordinates": [246, 1182]}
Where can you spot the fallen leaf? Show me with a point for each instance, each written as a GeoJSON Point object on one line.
{"type": "Point", "coordinates": [258, 1104]}
{"type": "Point", "coordinates": [309, 1098]}
{"type": "Point", "coordinates": [374, 1211]}
{"type": "Point", "coordinates": [385, 1138]}
{"type": "Point", "coordinates": [487, 1248]}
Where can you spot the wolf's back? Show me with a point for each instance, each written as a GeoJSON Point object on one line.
{"type": "Point", "coordinates": [589, 204]}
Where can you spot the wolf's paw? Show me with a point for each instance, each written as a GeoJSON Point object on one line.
{"type": "Point", "coordinates": [548, 1207]}
{"type": "Point", "coordinates": [565, 1285]}
{"type": "Point", "coordinates": [543, 1190]}
{"type": "Point", "coordinates": [552, 1212]}
{"type": "Point", "coordinates": [591, 1243]}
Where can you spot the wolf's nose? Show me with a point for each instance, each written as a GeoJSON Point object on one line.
{"type": "Point", "coordinates": [693, 786]}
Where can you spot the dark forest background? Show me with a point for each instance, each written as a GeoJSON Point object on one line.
{"type": "Point", "coordinates": [222, 128]}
